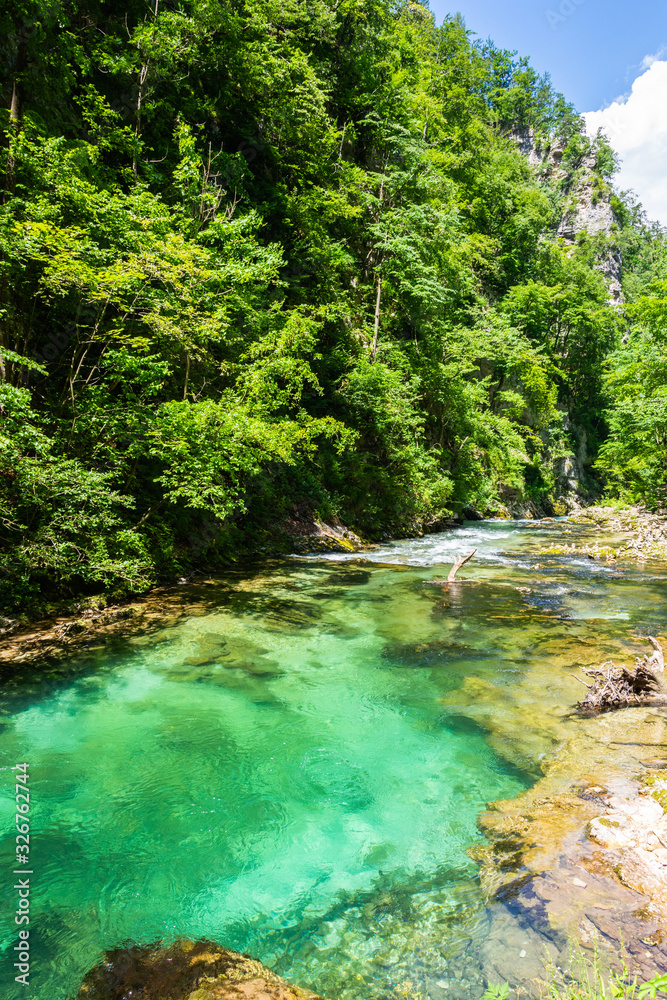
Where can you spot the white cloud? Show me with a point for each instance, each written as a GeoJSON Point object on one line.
{"type": "Point", "coordinates": [636, 126]}
{"type": "Point", "coordinates": [648, 61]}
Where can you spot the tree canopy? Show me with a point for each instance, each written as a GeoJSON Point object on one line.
{"type": "Point", "coordinates": [257, 253]}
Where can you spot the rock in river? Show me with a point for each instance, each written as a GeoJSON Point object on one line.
{"type": "Point", "coordinates": [186, 970]}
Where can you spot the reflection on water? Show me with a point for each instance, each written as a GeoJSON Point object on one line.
{"type": "Point", "coordinates": [298, 772]}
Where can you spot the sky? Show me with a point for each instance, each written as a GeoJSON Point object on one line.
{"type": "Point", "coordinates": [608, 57]}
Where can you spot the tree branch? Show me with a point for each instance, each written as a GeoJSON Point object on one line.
{"type": "Point", "coordinates": [461, 561]}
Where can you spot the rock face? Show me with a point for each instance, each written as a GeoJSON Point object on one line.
{"type": "Point", "coordinates": [574, 484]}
{"type": "Point", "coordinates": [588, 205]}
{"type": "Point", "coordinates": [186, 970]}
{"type": "Point", "coordinates": [307, 534]}
{"type": "Point", "coordinates": [549, 882]}
{"type": "Point", "coordinates": [589, 209]}
{"type": "Point", "coordinates": [633, 833]}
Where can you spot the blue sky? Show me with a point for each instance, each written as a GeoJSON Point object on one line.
{"type": "Point", "coordinates": [593, 49]}
{"type": "Point", "coordinates": [609, 58]}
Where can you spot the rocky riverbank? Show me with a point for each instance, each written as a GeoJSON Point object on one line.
{"type": "Point", "coordinates": [642, 534]}
{"type": "Point", "coordinates": [579, 859]}
{"type": "Point", "coordinates": [93, 626]}
{"type": "Point", "coordinates": [56, 631]}
{"type": "Point", "coordinates": [579, 864]}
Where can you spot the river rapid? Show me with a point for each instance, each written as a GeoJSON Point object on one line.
{"type": "Point", "coordinates": [297, 771]}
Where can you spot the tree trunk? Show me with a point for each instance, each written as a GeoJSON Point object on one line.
{"type": "Point", "coordinates": [16, 109]}
{"type": "Point", "coordinates": [376, 326]}
{"type": "Point", "coordinates": [143, 77]}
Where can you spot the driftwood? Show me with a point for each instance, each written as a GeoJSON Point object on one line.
{"type": "Point", "coordinates": [461, 561]}
{"type": "Point", "coordinates": [614, 687]}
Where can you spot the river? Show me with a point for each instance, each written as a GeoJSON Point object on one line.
{"type": "Point", "coordinates": [297, 771]}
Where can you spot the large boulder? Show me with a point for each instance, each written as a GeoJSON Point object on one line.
{"type": "Point", "coordinates": [185, 970]}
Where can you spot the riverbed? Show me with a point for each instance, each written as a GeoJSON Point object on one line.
{"type": "Point", "coordinates": [296, 770]}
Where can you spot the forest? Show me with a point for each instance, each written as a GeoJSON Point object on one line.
{"type": "Point", "coordinates": [257, 255]}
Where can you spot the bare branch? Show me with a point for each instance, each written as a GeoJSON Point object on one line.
{"type": "Point", "coordinates": [614, 686]}
{"type": "Point", "coordinates": [461, 561]}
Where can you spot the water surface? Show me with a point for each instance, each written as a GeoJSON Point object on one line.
{"type": "Point", "coordinates": [294, 773]}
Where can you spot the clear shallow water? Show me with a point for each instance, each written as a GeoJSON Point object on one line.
{"type": "Point", "coordinates": [289, 773]}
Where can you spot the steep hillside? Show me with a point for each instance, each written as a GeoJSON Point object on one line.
{"type": "Point", "coordinates": [263, 259]}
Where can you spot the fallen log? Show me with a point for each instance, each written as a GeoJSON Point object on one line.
{"type": "Point", "coordinates": [615, 687]}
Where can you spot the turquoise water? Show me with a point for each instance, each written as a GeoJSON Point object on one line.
{"type": "Point", "coordinates": [279, 774]}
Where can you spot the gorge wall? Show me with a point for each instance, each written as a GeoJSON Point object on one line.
{"type": "Point", "coordinates": [585, 207]}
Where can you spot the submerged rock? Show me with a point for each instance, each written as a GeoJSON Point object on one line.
{"type": "Point", "coordinates": [577, 859]}
{"type": "Point", "coordinates": [186, 970]}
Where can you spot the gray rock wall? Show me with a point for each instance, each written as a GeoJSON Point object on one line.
{"type": "Point", "coordinates": [588, 205]}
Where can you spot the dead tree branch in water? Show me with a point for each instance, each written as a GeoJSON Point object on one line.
{"type": "Point", "coordinates": [613, 686]}
{"type": "Point", "coordinates": [461, 561]}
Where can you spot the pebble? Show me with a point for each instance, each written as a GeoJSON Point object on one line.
{"type": "Point", "coordinates": [578, 882]}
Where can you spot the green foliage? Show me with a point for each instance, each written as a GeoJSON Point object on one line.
{"type": "Point", "coordinates": [61, 521]}
{"type": "Point", "coordinates": [259, 254]}
{"type": "Point", "coordinates": [207, 451]}
{"type": "Point", "coordinates": [497, 992]}
{"type": "Point", "coordinates": [588, 980]}
{"type": "Point", "coordinates": [651, 988]}
{"type": "Point", "coordinates": [606, 160]}
{"type": "Point", "coordinates": [634, 456]}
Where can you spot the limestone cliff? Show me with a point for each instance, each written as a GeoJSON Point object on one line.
{"type": "Point", "coordinates": [587, 203]}
{"type": "Point", "coordinates": [585, 200]}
